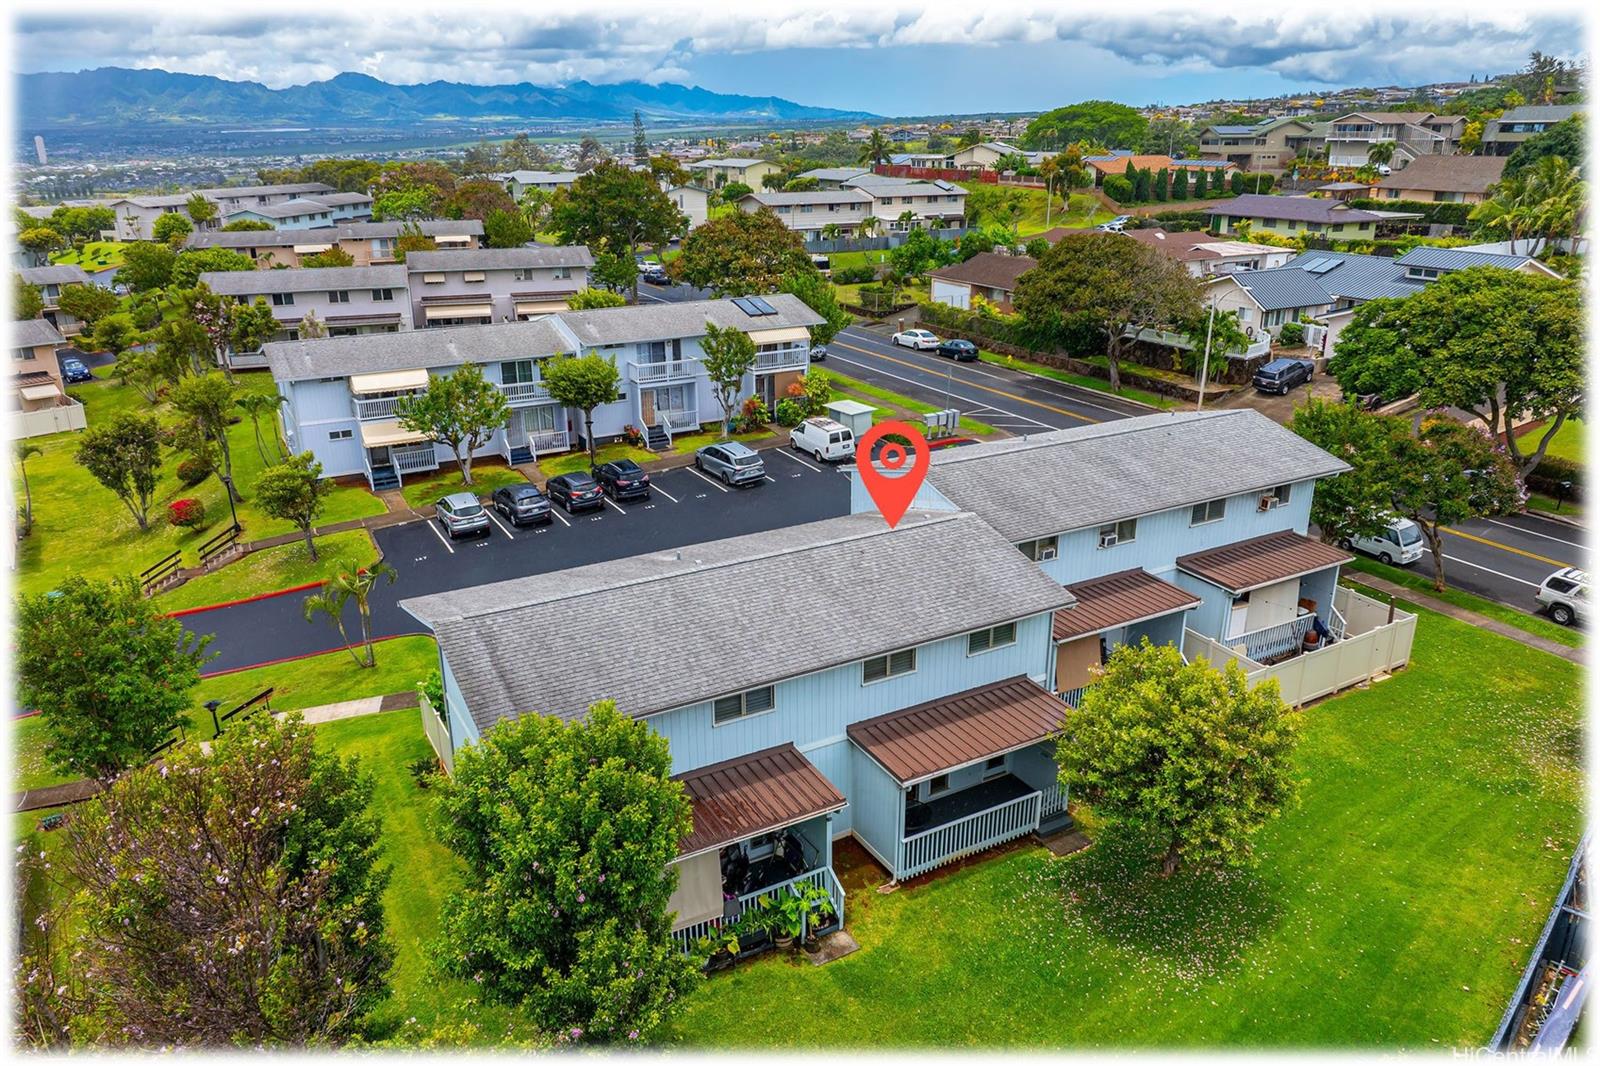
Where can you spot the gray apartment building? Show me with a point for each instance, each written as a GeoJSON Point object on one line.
{"type": "Point", "coordinates": [487, 285]}
{"type": "Point", "coordinates": [349, 301]}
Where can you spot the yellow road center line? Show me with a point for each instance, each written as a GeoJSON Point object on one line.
{"type": "Point", "coordinates": [1505, 547]}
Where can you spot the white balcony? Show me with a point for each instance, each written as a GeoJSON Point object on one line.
{"type": "Point", "coordinates": [794, 358]}
{"type": "Point", "coordinates": [524, 391]}
{"type": "Point", "coordinates": [375, 406]}
{"type": "Point", "coordinates": [659, 372]}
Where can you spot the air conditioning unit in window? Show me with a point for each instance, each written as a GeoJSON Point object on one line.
{"type": "Point", "coordinates": [1046, 554]}
{"type": "Point", "coordinates": [1268, 502]}
{"type": "Point", "coordinates": [1108, 540]}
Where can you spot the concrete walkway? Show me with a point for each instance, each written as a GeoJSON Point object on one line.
{"type": "Point", "coordinates": [1522, 636]}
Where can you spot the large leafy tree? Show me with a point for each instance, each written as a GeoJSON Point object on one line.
{"type": "Point", "coordinates": [613, 208]}
{"type": "Point", "coordinates": [1192, 759]}
{"type": "Point", "coordinates": [333, 257]}
{"type": "Point", "coordinates": [172, 228]}
{"type": "Point", "coordinates": [251, 325]}
{"type": "Point", "coordinates": [1501, 344]}
{"type": "Point", "coordinates": [208, 400]}
{"type": "Point", "coordinates": [26, 300]}
{"type": "Point", "coordinates": [189, 265]}
{"type": "Point", "coordinates": [584, 382]}
{"type": "Point", "coordinates": [1565, 139]}
{"type": "Point", "coordinates": [40, 240]}
{"type": "Point", "coordinates": [295, 491]}
{"type": "Point", "coordinates": [147, 266]}
{"type": "Point", "coordinates": [230, 897]}
{"type": "Point", "coordinates": [479, 199]}
{"type": "Point", "coordinates": [816, 293]}
{"type": "Point", "coordinates": [1093, 122]}
{"type": "Point", "coordinates": [200, 209]}
{"type": "Point", "coordinates": [107, 669]}
{"type": "Point", "coordinates": [566, 831]}
{"type": "Point", "coordinates": [114, 334]}
{"type": "Point", "coordinates": [730, 354]}
{"type": "Point", "coordinates": [124, 455]}
{"type": "Point", "coordinates": [85, 222]}
{"type": "Point", "coordinates": [504, 228]}
{"type": "Point", "coordinates": [740, 253]}
{"type": "Point", "coordinates": [1116, 285]}
{"type": "Point", "coordinates": [462, 409]}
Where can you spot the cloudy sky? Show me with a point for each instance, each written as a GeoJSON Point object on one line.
{"type": "Point", "coordinates": [882, 57]}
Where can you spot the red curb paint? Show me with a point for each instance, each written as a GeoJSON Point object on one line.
{"type": "Point", "coordinates": [248, 599]}
{"type": "Point", "coordinates": [304, 655]}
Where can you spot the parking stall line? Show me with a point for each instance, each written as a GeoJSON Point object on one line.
{"type": "Point", "coordinates": [664, 492]}
{"type": "Point", "coordinates": [708, 481]}
{"type": "Point", "coordinates": [558, 514]}
{"type": "Point", "coordinates": [501, 524]}
{"type": "Point", "coordinates": [442, 538]}
{"type": "Point", "coordinates": [789, 455]}
{"type": "Point", "coordinates": [608, 500]}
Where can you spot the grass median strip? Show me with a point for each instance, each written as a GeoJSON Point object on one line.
{"type": "Point", "coordinates": [270, 569]}
{"type": "Point", "coordinates": [1528, 623]}
{"type": "Point", "coordinates": [1082, 380]}
{"type": "Point", "coordinates": [446, 480]}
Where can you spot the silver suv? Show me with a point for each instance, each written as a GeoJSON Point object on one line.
{"type": "Point", "coordinates": [731, 461]}
{"type": "Point", "coordinates": [460, 512]}
{"type": "Point", "coordinates": [1565, 594]}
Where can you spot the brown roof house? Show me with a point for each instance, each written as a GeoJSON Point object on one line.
{"type": "Point", "coordinates": [990, 275]}
{"type": "Point", "coordinates": [1449, 179]}
{"type": "Point", "coordinates": [37, 391]}
{"type": "Point", "coordinates": [1203, 253]}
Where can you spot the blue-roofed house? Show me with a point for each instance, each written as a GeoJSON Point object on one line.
{"type": "Point", "coordinates": [1264, 300]}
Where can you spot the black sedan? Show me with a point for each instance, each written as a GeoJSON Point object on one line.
{"type": "Point", "coordinates": [624, 479]}
{"type": "Point", "coordinates": [959, 350]}
{"type": "Point", "coordinates": [576, 492]}
{"type": "Point", "coordinates": [522, 505]}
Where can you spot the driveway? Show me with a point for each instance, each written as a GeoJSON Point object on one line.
{"type": "Point", "coordinates": [1281, 408]}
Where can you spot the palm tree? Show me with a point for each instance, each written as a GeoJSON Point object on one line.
{"type": "Point", "coordinates": [1381, 154]}
{"type": "Point", "coordinates": [867, 226]}
{"type": "Point", "coordinates": [1535, 202]}
{"type": "Point", "coordinates": [256, 404]}
{"type": "Point", "coordinates": [1048, 170]}
{"type": "Point", "coordinates": [350, 581]}
{"type": "Point", "coordinates": [26, 450]}
{"type": "Point", "coordinates": [876, 150]}
{"type": "Point", "coordinates": [1559, 195]}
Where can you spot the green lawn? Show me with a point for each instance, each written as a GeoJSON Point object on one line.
{"type": "Point", "coordinates": [1082, 211]}
{"type": "Point", "coordinates": [574, 462]}
{"type": "Point", "coordinates": [1538, 501]}
{"type": "Point", "coordinates": [95, 256]}
{"type": "Point", "coordinates": [1566, 444]}
{"type": "Point", "coordinates": [270, 569]}
{"type": "Point", "coordinates": [485, 479]}
{"type": "Point", "coordinates": [892, 405]}
{"type": "Point", "coordinates": [1154, 399]}
{"type": "Point", "coordinates": [689, 443]}
{"type": "Point", "coordinates": [80, 527]}
{"type": "Point", "coordinates": [1420, 577]}
{"type": "Point", "coordinates": [1394, 905]}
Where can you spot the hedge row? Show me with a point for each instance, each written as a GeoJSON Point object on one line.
{"type": "Point", "coordinates": [1451, 214]}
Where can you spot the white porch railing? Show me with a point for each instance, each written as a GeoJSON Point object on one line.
{"type": "Point", "coordinates": [669, 370]}
{"type": "Point", "coordinates": [783, 359]}
{"type": "Point", "coordinates": [524, 391]}
{"type": "Point", "coordinates": [411, 460]}
{"type": "Point", "coordinates": [1072, 697]}
{"type": "Point", "coordinates": [1052, 800]}
{"type": "Point", "coordinates": [933, 848]}
{"type": "Point", "coordinates": [375, 407]}
{"type": "Point", "coordinates": [1269, 642]}
{"type": "Point", "coordinates": [822, 877]}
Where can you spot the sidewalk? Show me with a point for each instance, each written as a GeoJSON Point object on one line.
{"type": "Point", "coordinates": [1462, 614]}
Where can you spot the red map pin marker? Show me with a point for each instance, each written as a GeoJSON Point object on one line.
{"type": "Point", "coordinates": [892, 493]}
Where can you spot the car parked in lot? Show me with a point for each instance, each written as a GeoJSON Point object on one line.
{"type": "Point", "coordinates": [655, 274]}
{"type": "Point", "coordinates": [824, 439]}
{"type": "Point", "coordinates": [624, 479]}
{"type": "Point", "coordinates": [1565, 595]}
{"type": "Point", "coordinates": [1400, 542]}
{"type": "Point", "coordinates": [959, 350]}
{"type": "Point", "coordinates": [461, 513]}
{"type": "Point", "coordinates": [920, 339]}
{"type": "Point", "coordinates": [522, 505]}
{"type": "Point", "coordinates": [1281, 375]}
{"type": "Point", "coordinates": [576, 492]}
{"type": "Point", "coordinates": [732, 462]}
{"type": "Point", "coordinates": [74, 370]}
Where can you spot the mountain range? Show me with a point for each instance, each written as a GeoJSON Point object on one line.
{"type": "Point", "coordinates": [119, 96]}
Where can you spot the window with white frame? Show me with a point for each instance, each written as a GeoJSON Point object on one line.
{"type": "Point", "coordinates": [938, 784]}
{"type": "Point", "coordinates": [883, 667]}
{"type": "Point", "coordinates": [283, 299]}
{"type": "Point", "coordinates": [999, 636]}
{"type": "Point", "coordinates": [340, 434]}
{"type": "Point", "coordinates": [340, 296]}
{"type": "Point", "coordinates": [1040, 550]}
{"type": "Point", "coordinates": [1119, 532]}
{"type": "Point", "coordinates": [994, 766]}
{"type": "Point", "coordinates": [1282, 494]}
{"type": "Point", "coordinates": [742, 705]}
{"type": "Point", "coordinates": [1210, 511]}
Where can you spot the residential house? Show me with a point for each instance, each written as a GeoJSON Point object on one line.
{"type": "Point", "coordinates": [137, 215]}
{"type": "Point", "coordinates": [1502, 135]}
{"type": "Point", "coordinates": [1264, 300]}
{"type": "Point", "coordinates": [932, 160]}
{"type": "Point", "coordinates": [518, 182]}
{"type": "Point", "coordinates": [1460, 179]}
{"type": "Point", "coordinates": [367, 243]}
{"type": "Point", "coordinates": [1269, 145]}
{"type": "Point", "coordinates": [936, 204]}
{"type": "Point", "coordinates": [835, 177]}
{"type": "Point", "coordinates": [901, 736]}
{"type": "Point", "coordinates": [326, 209]}
{"type": "Point", "coordinates": [991, 275]}
{"type": "Point", "coordinates": [349, 301]}
{"type": "Point", "coordinates": [1203, 254]}
{"type": "Point", "coordinates": [809, 213]}
{"type": "Point", "coordinates": [693, 201]}
{"type": "Point", "coordinates": [459, 288]}
{"type": "Point", "coordinates": [38, 393]}
{"type": "Point", "coordinates": [336, 386]}
{"type": "Point", "coordinates": [50, 280]}
{"type": "Point", "coordinates": [981, 156]}
{"type": "Point", "coordinates": [1291, 215]}
{"type": "Point", "coordinates": [230, 198]}
{"type": "Point", "coordinates": [715, 173]}
{"type": "Point", "coordinates": [1414, 134]}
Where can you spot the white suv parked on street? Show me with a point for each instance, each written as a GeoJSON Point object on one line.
{"type": "Point", "coordinates": [824, 438]}
{"type": "Point", "coordinates": [1565, 594]}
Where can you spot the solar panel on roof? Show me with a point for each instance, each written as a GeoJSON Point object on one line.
{"type": "Point", "coordinates": [761, 306]}
{"type": "Point", "coordinates": [1320, 266]}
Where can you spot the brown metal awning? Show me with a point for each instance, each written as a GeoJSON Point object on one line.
{"type": "Point", "coordinates": [980, 723]}
{"type": "Point", "coordinates": [754, 794]}
{"type": "Point", "coordinates": [1261, 561]}
{"type": "Point", "coordinates": [1117, 600]}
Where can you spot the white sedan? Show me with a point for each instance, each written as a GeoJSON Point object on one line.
{"type": "Point", "coordinates": [916, 338]}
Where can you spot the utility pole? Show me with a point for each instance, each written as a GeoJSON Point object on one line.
{"type": "Point", "coordinates": [1205, 365]}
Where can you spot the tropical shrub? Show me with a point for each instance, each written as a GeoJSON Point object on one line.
{"type": "Point", "coordinates": [789, 413]}
{"type": "Point", "coordinates": [189, 513]}
{"type": "Point", "coordinates": [192, 471]}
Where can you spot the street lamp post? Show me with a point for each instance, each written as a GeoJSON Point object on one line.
{"type": "Point", "coordinates": [227, 483]}
{"type": "Point", "coordinates": [1205, 365]}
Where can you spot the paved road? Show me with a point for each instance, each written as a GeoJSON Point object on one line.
{"type": "Point", "coordinates": [1505, 558]}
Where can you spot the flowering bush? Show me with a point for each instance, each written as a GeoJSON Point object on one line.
{"type": "Point", "coordinates": [188, 513]}
{"type": "Point", "coordinates": [752, 415]}
{"type": "Point", "coordinates": [632, 435]}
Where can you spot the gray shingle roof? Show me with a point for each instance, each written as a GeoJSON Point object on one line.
{"type": "Point", "coordinates": [1355, 277]}
{"type": "Point", "coordinates": [541, 177]}
{"type": "Point", "coordinates": [285, 209]}
{"type": "Point", "coordinates": [834, 173]}
{"type": "Point", "coordinates": [663, 321]}
{"type": "Point", "coordinates": [33, 333]}
{"type": "Point", "coordinates": [945, 574]}
{"type": "Point", "coordinates": [350, 231]}
{"type": "Point", "coordinates": [54, 275]}
{"type": "Point", "coordinates": [1448, 173]}
{"type": "Point", "coordinates": [298, 188]}
{"type": "Point", "coordinates": [818, 196]}
{"type": "Point", "coordinates": [532, 255]}
{"type": "Point", "coordinates": [1296, 208]}
{"type": "Point", "coordinates": [1534, 113]}
{"type": "Point", "coordinates": [1458, 259]}
{"type": "Point", "coordinates": [337, 357]}
{"type": "Point", "coordinates": [1115, 470]}
{"type": "Point", "coordinates": [732, 162]}
{"type": "Point", "coordinates": [443, 227]}
{"type": "Point", "coordinates": [1282, 288]}
{"type": "Point", "coordinates": [260, 282]}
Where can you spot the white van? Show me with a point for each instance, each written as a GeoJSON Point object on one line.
{"type": "Point", "coordinates": [824, 438]}
{"type": "Point", "coordinates": [1399, 543]}
{"type": "Point", "coordinates": [1565, 594]}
